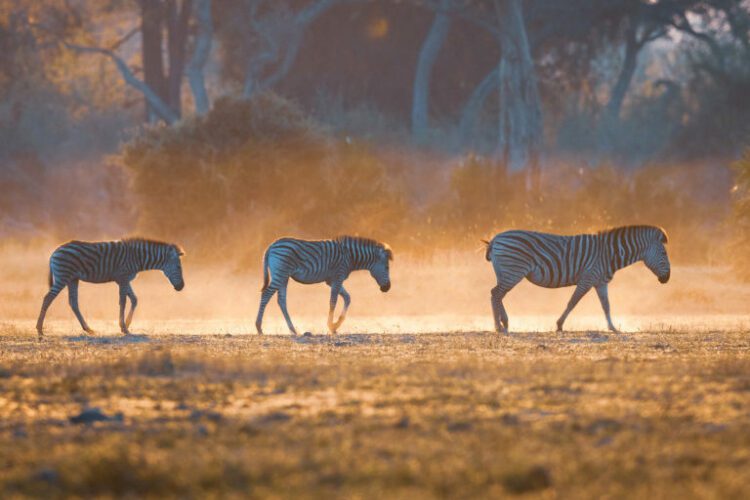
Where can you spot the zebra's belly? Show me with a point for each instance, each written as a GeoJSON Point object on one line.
{"type": "Point", "coordinates": [549, 280]}
{"type": "Point", "coordinates": [307, 278]}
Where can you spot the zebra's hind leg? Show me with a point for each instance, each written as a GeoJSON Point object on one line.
{"type": "Point", "coordinates": [53, 292]}
{"type": "Point", "coordinates": [123, 302]}
{"type": "Point", "coordinates": [282, 304]}
{"type": "Point", "coordinates": [498, 310]}
{"type": "Point", "coordinates": [265, 297]}
{"type": "Point", "coordinates": [133, 304]}
{"type": "Point", "coordinates": [580, 291]}
{"type": "Point", "coordinates": [73, 301]}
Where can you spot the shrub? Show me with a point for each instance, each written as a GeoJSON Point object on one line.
{"type": "Point", "coordinates": [254, 170]}
{"type": "Point", "coordinates": [741, 216]}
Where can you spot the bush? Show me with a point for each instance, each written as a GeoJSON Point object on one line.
{"type": "Point", "coordinates": [741, 216]}
{"type": "Point", "coordinates": [254, 170]}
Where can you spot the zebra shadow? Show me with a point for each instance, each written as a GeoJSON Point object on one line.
{"type": "Point", "coordinates": [351, 339]}
{"type": "Point", "coordinates": [120, 339]}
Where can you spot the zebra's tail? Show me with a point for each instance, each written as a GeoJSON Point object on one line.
{"type": "Point", "coordinates": [265, 272]}
{"type": "Point", "coordinates": [488, 243]}
{"type": "Point", "coordinates": [50, 279]}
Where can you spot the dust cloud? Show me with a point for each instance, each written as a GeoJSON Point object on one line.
{"type": "Point", "coordinates": [443, 293]}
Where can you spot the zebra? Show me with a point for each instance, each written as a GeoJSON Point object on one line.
{"type": "Point", "coordinates": [585, 260]}
{"type": "Point", "coordinates": [316, 261]}
{"type": "Point", "coordinates": [102, 262]}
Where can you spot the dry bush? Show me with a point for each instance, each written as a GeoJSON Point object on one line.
{"type": "Point", "coordinates": [741, 216]}
{"type": "Point", "coordinates": [251, 171]}
{"type": "Point", "coordinates": [484, 200]}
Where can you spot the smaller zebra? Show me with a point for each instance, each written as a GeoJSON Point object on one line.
{"type": "Point", "coordinates": [103, 262]}
{"type": "Point", "coordinates": [317, 261]}
{"type": "Point", "coordinates": [585, 260]}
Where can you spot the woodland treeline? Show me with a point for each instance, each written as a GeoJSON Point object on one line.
{"type": "Point", "coordinates": [430, 121]}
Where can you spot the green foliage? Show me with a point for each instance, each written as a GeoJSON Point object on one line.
{"type": "Point", "coordinates": [741, 216]}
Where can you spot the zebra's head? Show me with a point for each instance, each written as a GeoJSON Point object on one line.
{"type": "Point", "coordinates": [655, 256]}
{"type": "Point", "coordinates": [173, 267]}
{"type": "Point", "coordinates": [380, 269]}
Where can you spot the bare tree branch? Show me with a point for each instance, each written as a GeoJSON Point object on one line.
{"type": "Point", "coordinates": [161, 108]}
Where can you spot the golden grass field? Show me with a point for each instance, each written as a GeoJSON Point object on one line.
{"type": "Point", "coordinates": [198, 408]}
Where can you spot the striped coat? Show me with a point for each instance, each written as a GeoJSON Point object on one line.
{"type": "Point", "coordinates": [102, 262]}
{"type": "Point", "coordinates": [585, 260]}
{"type": "Point", "coordinates": [329, 261]}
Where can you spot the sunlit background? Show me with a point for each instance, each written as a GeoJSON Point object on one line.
{"type": "Point", "coordinates": [222, 125]}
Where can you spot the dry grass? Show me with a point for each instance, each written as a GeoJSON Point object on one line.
{"type": "Point", "coordinates": [445, 415]}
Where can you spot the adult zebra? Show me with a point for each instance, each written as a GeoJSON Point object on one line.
{"type": "Point", "coordinates": [585, 260]}
{"type": "Point", "coordinates": [102, 262]}
{"type": "Point", "coordinates": [316, 261]}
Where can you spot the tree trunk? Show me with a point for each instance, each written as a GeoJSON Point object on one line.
{"type": "Point", "coordinates": [474, 106]}
{"type": "Point", "coordinates": [201, 52]}
{"type": "Point", "coordinates": [178, 17]}
{"type": "Point", "coordinates": [152, 15]}
{"type": "Point", "coordinates": [427, 57]}
{"type": "Point", "coordinates": [619, 91]}
{"type": "Point", "coordinates": [520, 118]}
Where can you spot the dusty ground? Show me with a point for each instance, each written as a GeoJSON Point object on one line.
{"type": "Point", "coordinates": [584, 414]}
{"type": "Point", "coordinates": [195, 407]}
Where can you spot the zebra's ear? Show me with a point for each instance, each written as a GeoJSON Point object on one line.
{"type": "Point", "coordinates": [180, 250]}
{"type": "Point", "coordinates": [486, 242]}
{"type": "Point", "coordinates": [388, 251]}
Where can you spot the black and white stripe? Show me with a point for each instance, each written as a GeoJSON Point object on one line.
{"type": "Point", "coordinates": [102, 262]}
{"type": "Point", "coordinates": [585, 260]}
{"type": "Point", "coordinates": [317, 261]}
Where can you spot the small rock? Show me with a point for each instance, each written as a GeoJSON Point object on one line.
{"type": "Point", "coordinates": [307, 334]}
{"type": "Point", "coordinates": [459, 426]}
{"type": "Point", "coordinates": [46, 475]}
{"type": "Point", "coordinates": [271, 418]}
{"type": "Point", "coordinates": [403, 423]}
{"type": "Point", "coordinates": [91, 415]}
{"type": "Point", "coordinates": [198, 415]}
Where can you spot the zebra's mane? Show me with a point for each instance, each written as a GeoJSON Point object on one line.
{"type": "Point", "coordinates": [150, 241]}
{"type": "Point", "coordinates": [621, 230]}
{"type": "Point", "coordinates": [346, 239]}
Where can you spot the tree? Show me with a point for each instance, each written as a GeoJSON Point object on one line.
{"type": "Point", "coordinates": [161, 85]}
{"type": "Point", "coordinates": [267, 35]}
{"type": "Point", "coordinates": [520, 117]}
{"type": "Point", "coordinates": [427, 56]}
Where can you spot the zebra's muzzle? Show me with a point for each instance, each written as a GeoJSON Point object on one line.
{"type": "Point", "coordinates": [664, 279]}
{"type": "Point", "coordinates": [385, 287]}
{"type": "Point", "coordinates": [179, 286]}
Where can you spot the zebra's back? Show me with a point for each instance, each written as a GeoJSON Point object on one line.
{"type": "Point", "coordinates": [306, 261]}
{"type": "Point", "coordinates": [95, 262]}
{"type": "Point", "coordinates": [548, 260]}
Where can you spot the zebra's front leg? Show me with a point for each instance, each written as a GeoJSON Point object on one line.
{"type": "Point", "coordinates": [336, 288]}
{"type": "Point", "coordinates": [73, 301]}
{"type": "Point", "coordinates": [347, 300]}
{"type": "Point", "coordinates": [133, 304]}
{"type": "Point", "coordinates": [265, 297]}
{"type": "Point", "coordinates": [282, 304]}
{"type": "Point", "coordinates": [601, 291]}
{"type": "Point", "coordinates": [580, 291]}
{"type": "Point", "coordinates": [123, 303]}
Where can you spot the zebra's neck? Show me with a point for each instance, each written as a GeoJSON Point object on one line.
{"type": "Point", "coordinates": [624, 247]}
{"type": "Point", "coordinates": [362, 255]}
{"type": "Point", "coordinates": [148, 255]}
